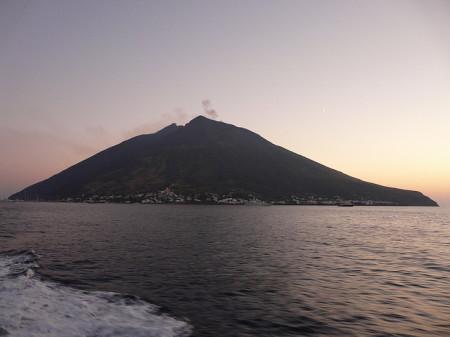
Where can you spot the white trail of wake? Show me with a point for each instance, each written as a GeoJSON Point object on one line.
{"type": "Point", "coordinates": [32, 307]}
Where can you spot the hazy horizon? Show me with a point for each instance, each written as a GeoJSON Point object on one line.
{"type": "Point", "coordinates": [359, 86]}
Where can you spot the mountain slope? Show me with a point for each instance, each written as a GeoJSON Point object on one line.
{"type": "Point", "coordinates": [209, 156]}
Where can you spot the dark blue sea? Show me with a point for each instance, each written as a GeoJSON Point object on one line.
{"type": "Point", "coordinates": [178, 270]}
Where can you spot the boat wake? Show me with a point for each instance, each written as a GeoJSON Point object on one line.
{"type": "Point", "coordinates": [33, 307]}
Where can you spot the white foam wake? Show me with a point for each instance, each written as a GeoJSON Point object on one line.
{"type": "Point", "coordinates": [32, 307]}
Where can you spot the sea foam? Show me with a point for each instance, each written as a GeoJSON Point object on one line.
{"type": "Point", "coordinates": [33, 307]}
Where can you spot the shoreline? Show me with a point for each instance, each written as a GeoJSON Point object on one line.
{"type": "Point", "coordinates": [214, 204]}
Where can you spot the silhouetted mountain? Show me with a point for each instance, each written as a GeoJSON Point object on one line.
{"type": "Point", "coordinates": [209, 156]}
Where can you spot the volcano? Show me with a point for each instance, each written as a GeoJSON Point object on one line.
{"type": "Point", "coordinates": [207, 156]}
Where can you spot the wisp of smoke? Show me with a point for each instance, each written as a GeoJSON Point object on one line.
{"type": "Point", "coordinates": [209, 111]}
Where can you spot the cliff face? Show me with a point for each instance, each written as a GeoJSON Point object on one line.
{"type": "Point", "coordinates": [209, 156]}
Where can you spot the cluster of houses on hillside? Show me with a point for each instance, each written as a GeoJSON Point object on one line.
{"type": "Point", "coordinates": [167, 196]}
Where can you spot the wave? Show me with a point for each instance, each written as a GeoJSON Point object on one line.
{"type": "Point", "coordinates": [33, 307]}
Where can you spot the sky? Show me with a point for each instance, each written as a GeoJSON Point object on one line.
{"type": "Point", "coordinates": [361, 86]}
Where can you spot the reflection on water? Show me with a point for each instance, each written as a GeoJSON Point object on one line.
{"type": "Point", "coordinates": [252, 271]}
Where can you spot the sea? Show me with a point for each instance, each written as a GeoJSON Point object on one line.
{"type": "Point", "coordinates": [98, 270]}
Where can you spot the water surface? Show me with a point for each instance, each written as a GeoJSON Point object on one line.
{"type": "Point", "coordinates": [223, 270]}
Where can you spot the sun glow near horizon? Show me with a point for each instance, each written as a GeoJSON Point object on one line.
{"type": "Point", "coordinates": [360, 87]}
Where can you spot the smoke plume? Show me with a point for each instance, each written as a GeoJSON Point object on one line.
{"type": "Point", "coordinates": [209, 111]}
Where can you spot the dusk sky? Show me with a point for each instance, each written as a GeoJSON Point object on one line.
{"type": "Point", "coordinates": [360, 86]}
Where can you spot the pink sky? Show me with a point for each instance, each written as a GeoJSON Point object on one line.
{"type": "Point", "coordinates": [361, 86]}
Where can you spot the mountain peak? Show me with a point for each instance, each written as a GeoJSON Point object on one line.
{"type": "Point", "coordinates": [200, 119]}
{"type": "Point", "coordinates": [168, 129]}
